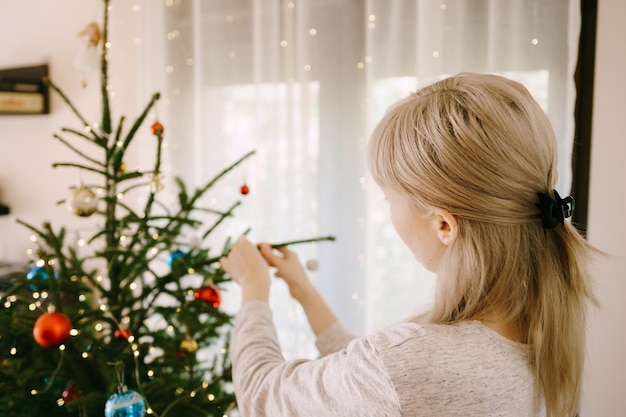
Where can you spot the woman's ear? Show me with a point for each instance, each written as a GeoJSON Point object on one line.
{"type": "Point", "coordinates": [447, 226]}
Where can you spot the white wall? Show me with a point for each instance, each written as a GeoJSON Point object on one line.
{"type": "Point", "coordinates": [37, 31]}
{"type": "Point", "coordinates": [605, 391]}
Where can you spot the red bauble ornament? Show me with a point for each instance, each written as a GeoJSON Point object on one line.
{"type": "Point", "coordinates": [244, 190]}
{"type": "Point", "coordinates": [52, 329]}
{"type": "Point", "coordinates": [123, 334]}
{"type": "Point", "coordinates": [70, 393]}
{"type": "Point", "coordinates": [156, 129]}
{"type": "Point", "coordinates": [209, 294]}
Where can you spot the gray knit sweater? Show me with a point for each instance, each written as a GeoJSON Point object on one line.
{"type": "Point", "coordinates": [407, 369]}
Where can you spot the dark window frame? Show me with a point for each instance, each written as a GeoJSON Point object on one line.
{"type": "Point", "coordinates": [583, 113]}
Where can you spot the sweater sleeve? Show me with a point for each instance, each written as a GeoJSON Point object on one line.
{"type": "Point", "coordinates": [333, 339]}
{"type": "Point", "coordinates": [349, 382]}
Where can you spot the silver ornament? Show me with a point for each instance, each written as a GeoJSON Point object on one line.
{"type": "Point", "coordinates": [312, 264]}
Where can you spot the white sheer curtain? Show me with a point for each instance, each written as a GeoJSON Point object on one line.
{"type": "Point", "coordinates": [302, 83]}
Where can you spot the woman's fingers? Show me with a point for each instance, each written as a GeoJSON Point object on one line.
{"type": "Point", "coordinates": [270, 255]}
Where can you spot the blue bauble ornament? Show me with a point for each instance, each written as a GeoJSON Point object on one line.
{"type": "Point", "coordinates": [173, 256]}
{"type": "Point", "coordinates": [126, 403]}
{"type": "Point", "coordinates": [38, 273]}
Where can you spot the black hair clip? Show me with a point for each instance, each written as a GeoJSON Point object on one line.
{"type": "Point", "coordinates": [554, 211]}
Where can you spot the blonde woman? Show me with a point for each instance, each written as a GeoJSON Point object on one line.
{"type": "Point", "coordinates": [468, 165]}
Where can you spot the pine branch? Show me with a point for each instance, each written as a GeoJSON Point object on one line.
{"type": "Point", "coordinates": [78, 152]}
{"type": "Point", "coordinates": [151, 195]}
{"type": "Point", "coordinates": [130, 212]}
{"type": "Point", "coordinates": [75, 165]}
{"type": "Point", "coordinates": [130, 176]}
{"type": "Point", "coordinates": [181, 217]}
{"type": "Point", "coordinates": [96, 139]}
{"type": "Point", "coordinates": [182, 192]}
{"type": "Point", "coordinates": [115, 154]}
{"type": "Point", "coordinates": [279, 245]}
{"type": "Point", "coordinates": [133, 130]}
{"type": "Point", "coordinates": [132, 259]}
{"type": "Point", "coordinates": [154, 292]}
{"type": "Point", "coordinates": [69, 103]}
{"type": "Point", "coordinates": [297, 242]}
{"type": "Point", "coordinates": [118, 133]}
{"type": "Point", "coordinates": [228, 213]}
{"type": "Point", "coordinates": [32, 228]}
{"type": "Point", "coordinates": [200, 192]}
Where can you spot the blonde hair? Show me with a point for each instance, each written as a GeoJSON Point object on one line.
{"type": "Point", "coordinates": [479, 146]}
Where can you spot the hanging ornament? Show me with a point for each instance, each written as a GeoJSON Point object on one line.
{"type": "Point", "coordinates": [51, 329]}
{"type": "Point", "coordinates": [188, 345]}
{"type": "Point", "coordinates": [156, 129]}
{"type": "Point", "coordinates": [37, 274]}
{"type": "Point", "coordinates": [312, 265]}
{"type": "Point", "coordinates": [122, 333]}
{"type": "Point", "coordinates": [123, 168]}
{"type": "Point", "coordinates": [173, 256]}
{"type": "Point", "coordinates": [83, 202]}
{"type": "Point", "coordinates": [244, 189]}
{"type": "Point", "coordinates": [70, 393]}
{"type": "Point", "coordinates": [88, 57]}
{"type": "Point", "coordinates": [155, 184]}
{"type": "Point", "coordinates": [125, 403]}
{"type": "Point", "coordinates": [209, 294]}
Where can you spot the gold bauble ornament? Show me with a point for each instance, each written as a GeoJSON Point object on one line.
{"type": "Point", "coordinates": [83, 202]}
{"type": "Point", "coordinates": [188, 345]}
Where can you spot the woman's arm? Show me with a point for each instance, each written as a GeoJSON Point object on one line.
{"type": "Point", "coordinates": [248, 266]}
{"type": "Point", "coordinates": [350, 383]}
{"type": "Point", "coordinates": [289, 268]}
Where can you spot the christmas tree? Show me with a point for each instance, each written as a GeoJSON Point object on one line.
{"type": "Point", "coordinates": [130, 323]}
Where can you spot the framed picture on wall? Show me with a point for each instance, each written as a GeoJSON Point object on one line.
{"type": "Point", "coordinates": [24, 90]}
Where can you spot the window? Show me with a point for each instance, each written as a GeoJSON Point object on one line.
{"type": "Point", "coordinates": [303, 83]}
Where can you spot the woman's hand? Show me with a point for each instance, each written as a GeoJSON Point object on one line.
{"type": "Point", "coordinates": [289, 268]}
{"type": "Point", "coordinates": [246, 266]}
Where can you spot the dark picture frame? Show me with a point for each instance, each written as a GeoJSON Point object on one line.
{"type": "Point", "coordinates": [24, 90]}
